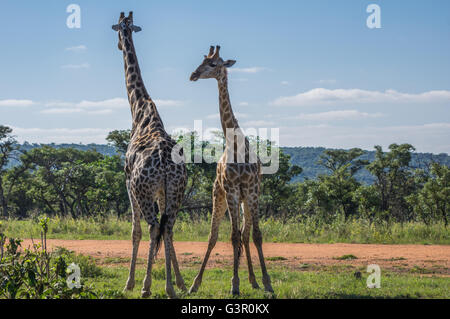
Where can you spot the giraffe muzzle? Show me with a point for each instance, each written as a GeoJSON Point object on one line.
{"type": "Point", "coordinates": [194, 76]}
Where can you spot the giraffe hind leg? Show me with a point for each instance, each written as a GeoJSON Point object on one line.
{"type": "Point", "coordinates": [246, 228]}
{"type": "Point", "coordinates": [179, 279]}
{"type": "Point", "coordinates": [257, 239]}
{"type": "Point", "coordinates": [149, 212]}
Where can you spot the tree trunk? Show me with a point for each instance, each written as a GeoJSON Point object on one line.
{"type": "Point", "coordinates": [4, 202]}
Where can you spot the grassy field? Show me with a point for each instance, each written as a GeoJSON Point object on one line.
{"type": "Point", "coordinates": [328, 282]}
{"type": "Point", "coordinates": [107, 276]}
{"type": "Point", "coordinates": [306, 231]}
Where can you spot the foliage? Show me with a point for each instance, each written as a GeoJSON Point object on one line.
{"type": "Point", "coordinates": [300, 229]}
{"type": "Point", "coordinates": [394, 179]}
{"type": "Point", "coordinates": [34, 273]}
{"type": "Point", "coordinates": [7, 148]}
{"type": "Point", "coordinates": [66, 181]}
{"type": "Point", "coordinates": [119, 139]}
{"type": "Point", "coordinates": [432, 202]}
{"type": "Point", "coordinates": [276, 190]}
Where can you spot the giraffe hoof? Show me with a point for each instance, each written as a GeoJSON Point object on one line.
{"type": "Point", "coordinates": [146, 293]}
{"type": "Point", "coordinates": [193, 289]}
{"type": "Point", "coordinates": [128, 287]}
{"type": "Point", "coordinates": [235, 292]}
{"type": "Point", "coordinates": [255, 285]}
{"type": "Point", "coordinates": [182, 286]}
{"type": "Point", "coordinates": [269, 289]}
{"type": "Point", "coordinates": [171, 294]}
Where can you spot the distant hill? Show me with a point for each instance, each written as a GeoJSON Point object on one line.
{"type": "Point", "coordinates": [305, 157]}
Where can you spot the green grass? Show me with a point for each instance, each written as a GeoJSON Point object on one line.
{"type": "Point", "coordinates": [276, 258]}
{"type": "Point", "coordinates": [346, 257]}
{"type": "Point", "coordinates": [306, 231]}
{"type": "Point", "coordinates": [327, 283]}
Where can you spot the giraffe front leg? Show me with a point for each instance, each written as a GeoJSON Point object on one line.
{"type": "Point", "coordinates": [136, 238]}
{"type": "Point", "coordinates": [219, 209]}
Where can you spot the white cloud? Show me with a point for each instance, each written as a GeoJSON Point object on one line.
{"type": "Point", "coordinates": [86, 106]}
{"type": "Point", "coordinates": [243, 104]}
{"type": "Point", "coordinates": [321, 96]}
{"type": "Point", "coordinates": [78, 48]}
{"type": "Point", "coordinates": [258, 123]}
{"type": "Point", "coordinates": [285, 83]}
{"type": "Point", "coordinates": [432, 137]}
{"type": "Point", "coordinates": [61, 135]}
{"type": "Point", "coordinates": [337, 115]}
{"type": "Point", "coordinates": [13, 102]}
{"type": "Point", "coordinates": [255, 69]}
{"type": "Point", "coordinates": [114, 103]}
{"type": "Point", "coordinates": [61, 111]}
{"type": "Point", "coordinates": [212, 116]}
{"type": "Point", "coordinates": [98, 107]}
{"type": "Point", "coordinates": [76, 66]}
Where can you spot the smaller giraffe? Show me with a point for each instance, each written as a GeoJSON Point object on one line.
{"type": "Point", "coordinates": [237, 182]}
{"type": "Point", "coordinates": [155, 183]}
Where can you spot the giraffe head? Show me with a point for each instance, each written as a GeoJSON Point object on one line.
{"type": "Point", "coordinates": [125, 27]}
{"type": "Point", "coordinates": [212, 66]}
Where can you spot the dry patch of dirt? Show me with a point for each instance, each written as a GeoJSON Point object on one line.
{"type": "Point", "coordinates": [421, 259]}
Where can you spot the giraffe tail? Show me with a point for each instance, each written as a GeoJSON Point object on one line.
{"type": "Point", "coordinates": [164, 216]}
{"type": "Point", "coordinates": [162, 227]}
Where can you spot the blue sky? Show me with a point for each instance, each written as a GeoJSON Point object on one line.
{"type": "Point", "coordinates": [313, 69]}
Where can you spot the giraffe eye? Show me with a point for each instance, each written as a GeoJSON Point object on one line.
{"type": "Point", "coordinates": [213, 65]}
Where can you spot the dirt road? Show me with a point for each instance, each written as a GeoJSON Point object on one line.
{"type": "Point", "coordinates": [291, 255]}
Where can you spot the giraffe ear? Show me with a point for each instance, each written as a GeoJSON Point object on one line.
{"type": "Point", "coordinates": [116, 27]}
{"type": "Point", "coordinates": [135, 28]}
{"type": "Point", "coordinates": [229, 63]}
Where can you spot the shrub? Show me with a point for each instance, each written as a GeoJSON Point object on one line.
{"type": "Point", "coordinates": [36, 274]}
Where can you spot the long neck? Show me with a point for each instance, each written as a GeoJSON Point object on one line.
{"type": "Point", "coordinates": [142, 107]}
{"type": "Point", "coordinates": [227, 118]}
{"type": "Point", "coordinates": [233, 142]}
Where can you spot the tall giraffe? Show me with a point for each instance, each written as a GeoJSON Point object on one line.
{"type": "Point", "coordinates": [155, 183]}
{"type": "Point", "coordinates": [237, 181]}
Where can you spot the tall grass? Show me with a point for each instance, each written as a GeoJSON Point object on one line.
{"type": "Point", "coordinates": [307, 230]}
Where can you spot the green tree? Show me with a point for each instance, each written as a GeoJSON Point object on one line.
{"type": "Point", "coordinates": [61, 178]}
{"type": "Point", "coordinates": [340, 185]}
{"type": "Point", "coordinates": [343, 160]}
{"type": "Point", "coordinates": [277, 192]}
{"type": "Point", "coordinates": [394, 179]}
{"type": "Point", "coordinates": [109, 193]}
{"type": "Point", "coordinates": [120, 140]}
{"type": "Point", "coordinates": [7, 148]}
{"type": "Point", "coordinates": [433, 200]}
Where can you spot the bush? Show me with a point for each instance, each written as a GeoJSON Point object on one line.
{"type": "Point", "coordinates": [36, 274]}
